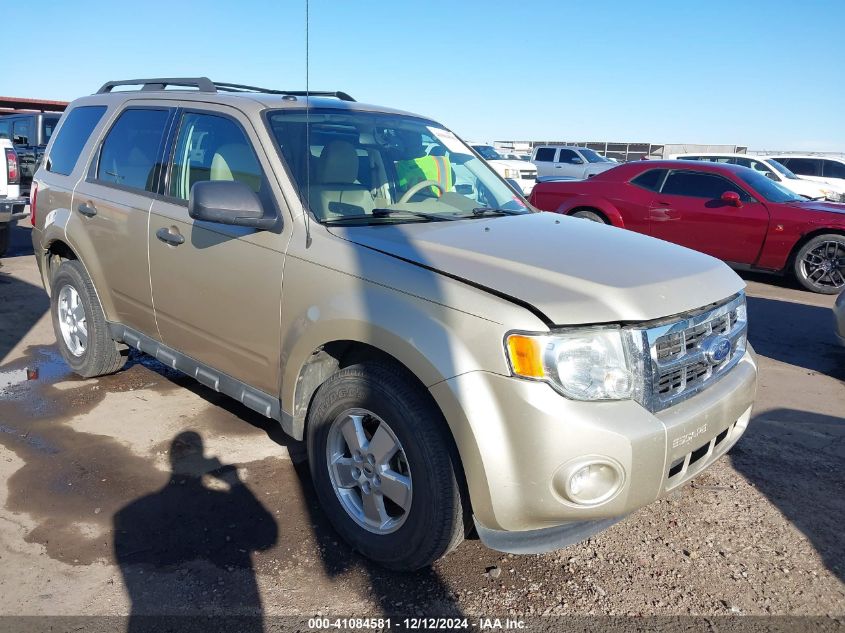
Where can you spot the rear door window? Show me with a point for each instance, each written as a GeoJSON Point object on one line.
{"type": "Point", "coordinates": [131, 152]}
{"type": "Point", "coordinates": [22, 131]}
{"type": "Point", "coordinates": [568, 156]}
{"type": "Point", "coordinates": [700, 185]}
{"type": "Point", "coordinates": [804, 166]}
{"type": "Point", "coordinates": [833, 169]}
{"type": "Point", "coordinates": [78, 125]}
{"type": "Point", "coordinates": [545, 155]}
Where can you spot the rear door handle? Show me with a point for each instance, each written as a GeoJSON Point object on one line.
{"type": "Point", "coordinates": [86, 209]}
{"type": "Point", "coordinates": [169, 237]}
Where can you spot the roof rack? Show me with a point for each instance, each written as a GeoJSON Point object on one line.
{"type": "Point", "coordinates": [227, 87]}
{"type": "Point", "coordinates": [204, 84]}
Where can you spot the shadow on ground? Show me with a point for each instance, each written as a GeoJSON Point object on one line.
{"type": "Point", "coordinates": [797, 334]}
{"type": "Point", "coordinates": [795, 459]}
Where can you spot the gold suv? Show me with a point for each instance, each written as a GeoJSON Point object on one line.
{"type": "Point", "coordinates": [453, 358]}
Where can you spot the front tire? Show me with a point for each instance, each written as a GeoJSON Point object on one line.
{"type": "Point", "coordinates": [80, 325]}
{"type": "Point", "coordinates": [819, 265]}
{"type": "Point", "coordinates": [383, 466]}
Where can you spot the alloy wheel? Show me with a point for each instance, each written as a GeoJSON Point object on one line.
{"type": "Point", "coordinates": [824, 265]}
{"type": "Point", "coordinates": [369, 471]}
{"type": "Point", "coordinates": [72, 321]}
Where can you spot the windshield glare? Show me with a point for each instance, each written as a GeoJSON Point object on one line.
{"type": "Point", "coordinates": [592, 157]}
{"type": "Point", "coordinates": [385, 168]}
{"type": "Point", "coordinates": [782, 169]}
{"type": "Point", "coordinates": [769, 189]}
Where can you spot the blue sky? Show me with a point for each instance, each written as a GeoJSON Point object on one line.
{"type": "Point", "coordinates": [768, 74]}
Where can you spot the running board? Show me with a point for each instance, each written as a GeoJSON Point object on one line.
{"type": "Point", "coordinates": [257, 400]}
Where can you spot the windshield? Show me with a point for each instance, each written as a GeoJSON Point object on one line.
{"type": "Point", "coordinates": [592, 157]}
{"type": "Point", "coordinates": [782, 169]}
{"type": "Point", "coordinates": [366, 167]}
{"type": "Point", "coordinates": [487, 152]}
{"type": "Point", "coordinates": [769, 189]}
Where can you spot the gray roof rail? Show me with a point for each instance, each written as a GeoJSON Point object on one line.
{"type": "Point", "coordinates": [203, 84]}
{"type": "Point", "coordinates": [227, 87]}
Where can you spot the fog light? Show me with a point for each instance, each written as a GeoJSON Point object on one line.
{"type": "Point", "coordinates": [592, 483]}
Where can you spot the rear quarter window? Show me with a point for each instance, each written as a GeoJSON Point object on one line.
{"type": "Point", "coordinates": [71, 138]}
{"type": "Point", "coordinates": [650, 179]}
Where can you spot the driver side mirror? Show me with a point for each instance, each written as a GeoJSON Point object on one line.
{"type": "Point", "coordinates": [227, 202]}
{"type": "Point", "coordinates": [770, 175]}
{"type": "Point", "coordinates": [577, 161]}
{"type": "Point", "coordinates": [731, 198]}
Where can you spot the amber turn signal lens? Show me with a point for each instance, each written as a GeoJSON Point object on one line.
{"type": "Point", "coordinates": [526, 355]}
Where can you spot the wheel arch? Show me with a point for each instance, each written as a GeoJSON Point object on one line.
{"type": "Point", "coordinates": [333, 356]}
{"type": "Point", "coordinates": [596, 205]}
{"type": "Point", "coordinates": [806, 237]}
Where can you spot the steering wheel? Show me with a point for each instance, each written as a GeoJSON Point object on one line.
{"type": "Point", "coordinates": [415, 189]}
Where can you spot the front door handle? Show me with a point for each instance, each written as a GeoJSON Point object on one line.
{"type": "Point", "coordinates": [86, 209]}
{"type": "Point", "coordinates": [169, 237]}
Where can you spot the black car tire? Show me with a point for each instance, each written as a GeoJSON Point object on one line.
{"type": "Point", "coordinates": [102, 354]}
{"type": "Point", "coordinates": [435, 521]}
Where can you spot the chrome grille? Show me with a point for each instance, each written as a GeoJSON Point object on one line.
{"type": "Point", "coordinates": [528, 174]}
{"type": "Point", "coordinates": [684, 358]}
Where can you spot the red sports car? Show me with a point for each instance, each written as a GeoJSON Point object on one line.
{"type": "Point", "coordinates": [734, 213]}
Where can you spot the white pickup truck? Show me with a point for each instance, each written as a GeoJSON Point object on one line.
{"type": "Point", "coordinates": [10, 192]}
{"type": "Point", "coordinates": [521, 172]}
{"type": "Point", "coordinates": [569, 162]}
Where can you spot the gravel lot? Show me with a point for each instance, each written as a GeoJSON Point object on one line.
{"type": "Point", "coordinates": [87, 465]}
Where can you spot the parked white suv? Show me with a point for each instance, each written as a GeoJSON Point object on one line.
{"type": "Point", "coordinates": [775, 170]}
{"type": "Point", "coordinates": [825, 169]}
{"type": "Point", "coordinates": [10, 189]}
{"type": "Point", "coordinates": [569, 162]}
{"type": "Point", "coordinates": [525, 174]}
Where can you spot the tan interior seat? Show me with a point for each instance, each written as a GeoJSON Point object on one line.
{"type": "Point", "coordinates": [235, 161]}
{"type": "Point", "coordinates": [335, 190]}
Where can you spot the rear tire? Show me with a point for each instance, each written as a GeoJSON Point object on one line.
{"type": "Point", "coordinates": [415, 523]}
{"type": "Point", "coordinates": [819, 265]}
{"type": "Point", "coordinates": [5, 236]}
{"type": "Point", "coordinates": [80, 325]}
{"type": "Point", "coordinates": [592, 216]}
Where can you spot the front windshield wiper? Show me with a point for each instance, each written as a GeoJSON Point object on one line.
{"type": "Point", "coordinates": [481, 211]}
{"type": "Point", "coordinates": [386, 214]}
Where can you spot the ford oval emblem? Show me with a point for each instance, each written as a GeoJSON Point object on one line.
{"type": "Point", "coordinates": [716, 349]}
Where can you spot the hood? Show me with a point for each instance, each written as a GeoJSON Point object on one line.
{"type": "Point", "coordinates": [570, 270]}
{"type": "Point", "coordinates": [804, 187]}
{"type": "Point", "coordinates": [819, 205]}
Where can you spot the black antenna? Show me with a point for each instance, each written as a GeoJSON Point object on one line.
{"type": "Point", "coordinates": [307, 135]}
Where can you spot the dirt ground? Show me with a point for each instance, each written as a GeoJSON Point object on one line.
{"type": "Point", "coordinates": [94, 467]}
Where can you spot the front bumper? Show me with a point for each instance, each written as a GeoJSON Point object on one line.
{"type": "Point", "coordinates": [839, 318]}
{"type": "Point", "coordinates": [516, 437]}
{"type": "Point", "coordinates": [8, 206]}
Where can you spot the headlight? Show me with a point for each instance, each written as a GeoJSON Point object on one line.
{"type": "Point", "coordinates": [511, 173]}
{"type": "Point", "coordinates": [584, 364]}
